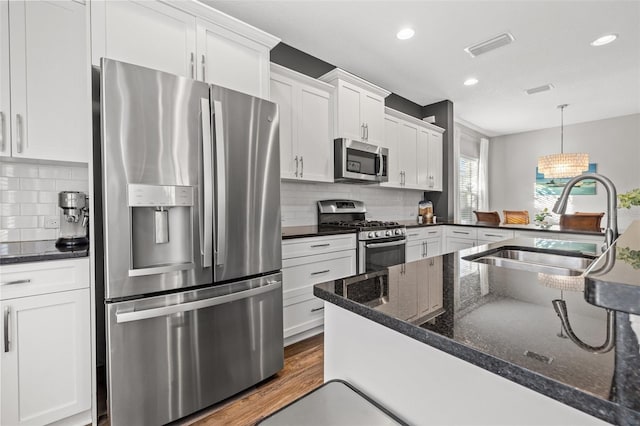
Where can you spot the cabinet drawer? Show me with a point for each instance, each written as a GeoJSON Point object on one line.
{"type": "Point", "coordinates": [461, 232]}
{"type": "Point", "coordinates": [494, 234]}
{"type": "Point", "coordinates": [304, 272]}
{"type": "Point", "coordinates": [423, 232]}
{"type": "Point", "coordinates": [317, 245]}
{"type": "Point", "coordinates": [30, 279]}
{"type": "Point", "coordinates": [303, 316]}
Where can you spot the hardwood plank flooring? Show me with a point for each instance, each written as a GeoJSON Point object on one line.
{"type": "Point", "coordinates": [303, 371]}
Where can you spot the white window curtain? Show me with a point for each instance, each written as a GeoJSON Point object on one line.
{"type": "Point", "coordinates": [456, 174]}
{"type": "Point", "coordinates": [467, 188]}
{"type": "Point", "coordinates": [483, 175]}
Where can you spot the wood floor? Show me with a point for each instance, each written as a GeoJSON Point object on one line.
{"type": "Point", "coordinates": [302, 372]}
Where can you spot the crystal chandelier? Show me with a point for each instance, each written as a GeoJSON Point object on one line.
{"type": "Point", "coordinates": [563, 165]}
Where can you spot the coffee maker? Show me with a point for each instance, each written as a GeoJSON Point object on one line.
{"type": "Point", "coordinates": [74, 219]}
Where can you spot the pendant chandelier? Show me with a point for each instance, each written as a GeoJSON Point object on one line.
{"type": "Point", "coordinates": [563, 165]}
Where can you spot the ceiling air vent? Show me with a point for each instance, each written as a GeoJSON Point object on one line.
{"type": "Point", "coordinates": [539, 89]}
{"type": "Point", "coordinates": [489, 45]}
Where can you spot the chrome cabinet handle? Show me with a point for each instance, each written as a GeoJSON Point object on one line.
{"type": "Point", "coordinates": [296, 160]}
{"type": "Point", "coordinates": [366, 131]}
{"type": "Point", "coordinates": [25, 281]}
{"type": "Point", "coordinates": [320, 245]}
{"type": "Point", "coordinates": [492, 235]}
{"type": "Point", "coordinates": [7, 312]}
{"type": "Point", "coordinates": [301, 166]}
{"type": "Point", "coordinates": [412, 235]}
{"type": "Point", "coordinates": [362, 131]}
{"type": "Point", "coordinates": [221, 175]}
{"type": "Point", "coordinates": [317, 309]}
{"type": "Point", "coordinates": [460, 232]}
{"type": "Point", "coordinates": [193, 66]}
{"type": "Point", "coordinates": [19, 132]}
{"type": "Point", "coordinates": [321, 272]}
{"type": "Point", "coordinates": [206, 216]}
{"type": "Point", "coordinates": [2, 140]}
{"type": "Point", "coordinates": [204, 69]}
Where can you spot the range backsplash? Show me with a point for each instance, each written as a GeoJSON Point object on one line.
{"type": "Point", "coordinates": [29, 194]}
{"type": "Point", "coordinates": [299, 201]}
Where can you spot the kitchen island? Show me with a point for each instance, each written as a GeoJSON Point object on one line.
{"type": "Point", "coordinates": [446, 340]}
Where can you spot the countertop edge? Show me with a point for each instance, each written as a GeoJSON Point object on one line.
{"type": "Point", "coordinates": [14, 260]}
{"type": "Point", "coordinates": [580, 400]}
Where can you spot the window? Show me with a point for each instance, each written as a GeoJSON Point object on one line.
{"type": "Point", "coordinates": [468, 188]}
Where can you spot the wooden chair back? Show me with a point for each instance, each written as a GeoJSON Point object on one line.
{"type": "Point", "coordinates": [581, 221]}
{"type": "Point", "coordinates": [519, 217]}
{"type": "Point", "coordinates": [487, 217]}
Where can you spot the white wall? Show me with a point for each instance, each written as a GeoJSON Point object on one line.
{"type": "Point", "coordinates": [30, 194]}
{"type": "Point", "coordinates": [299, 201]}
{"type": "Point", "coordinates": [613, 144]}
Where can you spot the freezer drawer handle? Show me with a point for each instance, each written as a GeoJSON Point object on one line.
{"type": "Point", "coordinates": [192, 306]}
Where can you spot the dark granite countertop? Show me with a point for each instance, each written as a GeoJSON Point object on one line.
{"type": "Point", "coordinates": [36, 251]}
{"type": "Point", "coordinates": [289, 232]}
{"type": "Point", "coordinates": [502, 320]}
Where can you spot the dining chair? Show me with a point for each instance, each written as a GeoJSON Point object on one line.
{"type": "Point", "coordinates": [487, 217]}
{"type": "Point", "coordinates": [581, 221]}
{"type": "Point", "coordinates": [519, 217]}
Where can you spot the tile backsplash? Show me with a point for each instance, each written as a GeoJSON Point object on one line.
{"type": "Point", "coordinates": [299, 201]}
{"type": "Point", "coordinates": [29, 194]}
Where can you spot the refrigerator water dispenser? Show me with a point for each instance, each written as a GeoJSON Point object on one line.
{"type": "Point", "coordinates": [161, 228]}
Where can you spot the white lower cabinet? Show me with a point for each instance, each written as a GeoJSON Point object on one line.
{"type": "Point", "coordinates": [423, 242]}
{"type": "Point", "coordinates": [309, 261]}
{"type": "Point", "coordinates": [46, 347]}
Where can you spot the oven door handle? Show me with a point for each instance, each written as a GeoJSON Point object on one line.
{"type": "Point", "coordinates": [389, 244]}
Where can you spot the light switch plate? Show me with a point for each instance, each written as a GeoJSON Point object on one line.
{"type": "Point", "coordinates": [52, 222]}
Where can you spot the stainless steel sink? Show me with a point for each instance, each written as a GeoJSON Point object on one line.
{"type": "Point", "coordinates": [553, 262]}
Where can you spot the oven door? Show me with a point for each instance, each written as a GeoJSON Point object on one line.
{"type": "Point", "coordinates": [375, 256]}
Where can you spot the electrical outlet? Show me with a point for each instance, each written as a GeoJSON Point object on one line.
{"type": "Point", "coordinates": [52, 222]}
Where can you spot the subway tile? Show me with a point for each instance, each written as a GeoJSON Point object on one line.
{"type": "Point", "coordinates": [72, 185]}
{"type": "Point", "coordinates": [7, 209]}
{"type": "Point", "coordinates": [18, 196]}
{"type": "Point", "coordinates": [54, 172]}
{"type": "Point", "coordinates": [37, 184]}
{"type": "Point", "coordinates": [18, 170]}
{"type": "Point", "coordinates": [39, 209]}
{"type": "Point", "coordinates": [9, 235]}
{"type": "Point", "coordinates": [18, 222]}
{"type": "Point", "coordinates": [9, 183]}
{"type": "Point", "coordinates": [80, 173]}
{"type": "Point", "coordinates": [38, 234]}
{"type": "Point", "coordinates": [47, 197]}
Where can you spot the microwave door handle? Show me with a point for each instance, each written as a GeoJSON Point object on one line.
{"type": "Point", "coordinates": [381, 171]}
{"type": "Point", "coordinates": [221, 179]}
{"type": "Point", "coordinates": [389, 244]}
{"type": "Point", "coordinates": [206, 212]}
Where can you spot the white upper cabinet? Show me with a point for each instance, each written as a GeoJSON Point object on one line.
{"type": "Point", "coordinates": [415, 152]}
{"type": "Point", "coordinates": [45, 96]}
{"type": "Point", "coordinates": [306, 147]}
{"type": "Point", "coordinates": [149, 33]}
{"type": "Point", "coordinates": [185, 38]}
{"type": "Point", "coordinates": [358, 107]}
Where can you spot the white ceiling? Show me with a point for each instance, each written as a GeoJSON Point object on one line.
{"type": "Point", "coordinates": [551, 46]}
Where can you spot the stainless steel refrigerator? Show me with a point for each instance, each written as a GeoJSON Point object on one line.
{"type": "Point", "coordinates": [190, 193]}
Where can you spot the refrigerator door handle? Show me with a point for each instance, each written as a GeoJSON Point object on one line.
{"type": "Point", "coordinates": [221, 179]}
{"type": "Point", "coordinates": [122, 317]}
{"type": "Point", "coordinates": [206, 213]}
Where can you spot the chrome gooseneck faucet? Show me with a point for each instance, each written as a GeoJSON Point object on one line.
{"type": "Point", "coordinates": [611, 233]}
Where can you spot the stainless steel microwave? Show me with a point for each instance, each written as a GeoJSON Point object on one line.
{"type": "Point", "coordinates": [359, 162]}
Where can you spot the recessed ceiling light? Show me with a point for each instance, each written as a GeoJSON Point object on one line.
{"type": "Point", "coordinates": [605, 39]}
{"type": "Point", "coordinates": [470, 81]}
{"type": "Point", "coordinates": [405, 33]}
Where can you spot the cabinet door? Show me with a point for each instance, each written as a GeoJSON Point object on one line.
{"type": "Point", "coordinates": [5, 104]}
{"type": "Point", "coordinates": [435, 161]}
{"type": "Point", "coordinates": [414, 251]}
{"type": "Point", "coordinates": [390, 142]}
{"type": "Point", "coordinates": [46, 372]}
{"type": "Point", "coordinates": [435, 283]}
{"type": "Point", "coordinates": [231, 60]}
{"type": "Point", "coordinates": [315, 146]}
{"type": "Point", "coordinates": [146, 33]}
{"type": "Point", "coordinates": [423, 160]}
{"type": "Point", "coordinates": [407, 146]}
{"type": "Point", "coordinates": [404, 278]}
{"type": "Point", "coordinates": [372, 110]}
{"type": "Point", "coordinates": [434, 247]}
{"type": "Point", "coordinates": [283, 93]}
{"type": "Point", "coordinates": [423, 288]}
{"type": "Point", "coordinates": [349, 115]}
{"type": "Point", "coordinates": [50, 97]}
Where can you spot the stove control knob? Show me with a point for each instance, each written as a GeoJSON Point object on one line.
{"type": "Point", "coordinates": [370, 235]}
{"type": "Point", "coordinates": [377, 233]}
{"type": "Point", "coordinates": [398, 232]}
{"type": "Point", "coordinates": [388, 233]}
